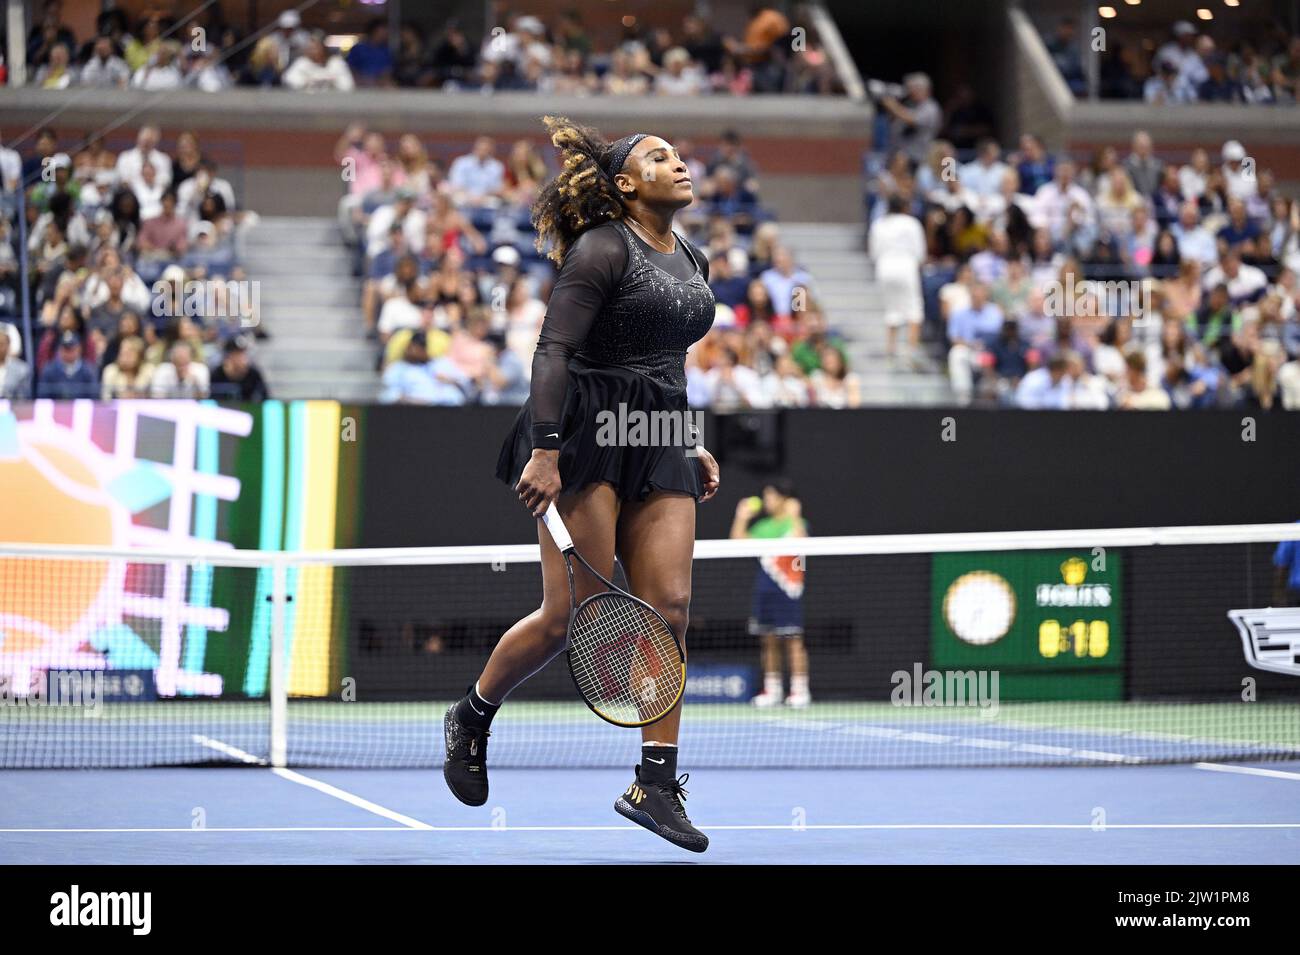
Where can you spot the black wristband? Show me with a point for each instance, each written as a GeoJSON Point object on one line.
{"type": "Point", "coordinates": [546, 435]}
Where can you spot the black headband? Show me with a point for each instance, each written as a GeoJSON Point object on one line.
{"type": "Point", "coordinates": [620, 151]}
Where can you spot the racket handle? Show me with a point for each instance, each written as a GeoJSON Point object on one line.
{"type": "Point", "coordinates": [559, 533]}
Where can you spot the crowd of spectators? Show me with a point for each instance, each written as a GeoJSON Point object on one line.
{"type": "Point", "coordinates": [1187, 65]}
{"type": "Point", "coordinates": [454, 290]}
{"type": "Point", "coordinates": [523, 53]}
{"type": "Point", "coordinates": [1127, 280]}
{"type": "Point", "coordinates": [135, 287]}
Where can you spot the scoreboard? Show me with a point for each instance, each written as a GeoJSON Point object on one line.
{"type": "Point", "coordinates": [1051, 622]}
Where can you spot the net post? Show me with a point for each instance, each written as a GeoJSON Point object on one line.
{"type": "Point", "coordinates": [279, 685]}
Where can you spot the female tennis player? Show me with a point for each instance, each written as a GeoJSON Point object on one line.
{"type": "Point", "coordinates": [631, 296]}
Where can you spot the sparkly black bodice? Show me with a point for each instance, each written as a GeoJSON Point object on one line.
{"type": "Point", "coordinates": [617, 304]}
{"type": "Point", "coordinates": [651, 320]}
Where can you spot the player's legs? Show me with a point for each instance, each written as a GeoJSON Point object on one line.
{"type": "Point", "coordinates": [656, 542]}
{"type": "Point", "coordinates": [591, 516]}
{"type": "Point", "coordinates": [797, 656]}
{"type": "Point", "coordinates": [914, 312]}
{"type": "Point", "coordinates": [896, 300]}
{"type": "Point", "coordinates": [772, 670]}
{"type": "Point", "coordinates": [961, 372]}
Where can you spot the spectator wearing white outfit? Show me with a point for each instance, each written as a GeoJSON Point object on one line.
{"type": "Point", "coordinates": [161, 72]}
{"type": "Point", "coordinates": [401, 212]}
{"type": "Point", "coordinates": [1192, 177]}
{"type": "Point", "coordinates": [1181, 48]}
{"type": "Point", "coordinates": [1238, 173]}
{"type": "Point", "coordinates": [149, 190]}
{"type": "Point", "coordinates": [1288, 380]}
{"type": "Point", "coordinates": [289, 39]}
{"type": "Point", "coordinates": [403, 311]}
{"type": "Point", "coordinates": [679, 76]}
{"type": "Point", "coordinates": [181, 376]}
{"type": "Point", "coordinates": [11, 169]}
{"type": "Point", "coordinates": [896, 244]}
{"type": "Point", "coordinates": [317, 69]}
{"type": "Point", "coordinates": [1062, 204]}
{"type": "Point", "coordinates": [1245, 283]}
{"type": "Point", "coordinates": [191, 192]}
{"type": "Point", "coordinates": [1087, 391]}
{"type": "Point", "coordinates": [132, 161]}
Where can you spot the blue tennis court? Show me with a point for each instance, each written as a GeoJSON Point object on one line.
{"type": "Point", "coordinates": [1189, 814]}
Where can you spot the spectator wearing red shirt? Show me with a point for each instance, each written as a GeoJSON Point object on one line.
{"type": "Point", "coordinates": [165, 236]}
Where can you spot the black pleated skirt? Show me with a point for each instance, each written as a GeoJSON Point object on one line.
{"type": "Point", "coordinates": [636, 469]}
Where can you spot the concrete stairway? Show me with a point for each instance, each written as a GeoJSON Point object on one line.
{"type": "Point", "coordinates": [311, 306]}
{"type": "Point", "coordinates": [834, 254]}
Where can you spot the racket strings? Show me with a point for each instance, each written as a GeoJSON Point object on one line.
{"type": "Point", "coordinates": [624, 659]}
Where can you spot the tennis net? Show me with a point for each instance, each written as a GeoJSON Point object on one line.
{"type": "Point", "coordinates": [1096, 647]}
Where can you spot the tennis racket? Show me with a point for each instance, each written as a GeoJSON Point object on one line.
{"type": "Point", "coordinates": [625, 660]}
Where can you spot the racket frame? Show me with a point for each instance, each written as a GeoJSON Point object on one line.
{"type": "Point", "coordinates": [563, 540]}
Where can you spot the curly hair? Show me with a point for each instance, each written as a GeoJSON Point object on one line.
{"type": "Point", "coordinates": [581, 195]}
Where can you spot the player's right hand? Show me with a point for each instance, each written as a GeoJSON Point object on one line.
{"type": "Point", "coordinates": [539, 485]}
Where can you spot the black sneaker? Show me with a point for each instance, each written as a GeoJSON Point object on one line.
{"type": "Point", "coordinates": [661, 808]}
{"type": "Point", "coordinates": [465, 767]}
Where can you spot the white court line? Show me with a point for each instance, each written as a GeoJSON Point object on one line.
{"type": "Point", "coordinates": [1247, 771]}
{"type": "Point", "coordinates": [228, 750]}
{"type": "Point", "coordinates": [295, 777]}
{"type": "Point", "coordinates": [784, 827]}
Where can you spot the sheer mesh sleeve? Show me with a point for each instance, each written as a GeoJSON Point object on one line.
{"type": "Point", "coordinates": [589, 276]}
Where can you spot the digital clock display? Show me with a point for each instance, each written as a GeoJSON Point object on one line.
{"type": "Point", "coordinates": [1050, 621]}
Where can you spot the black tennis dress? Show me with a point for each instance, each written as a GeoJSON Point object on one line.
{"type": "Point", "coordinates": [618, 324]}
